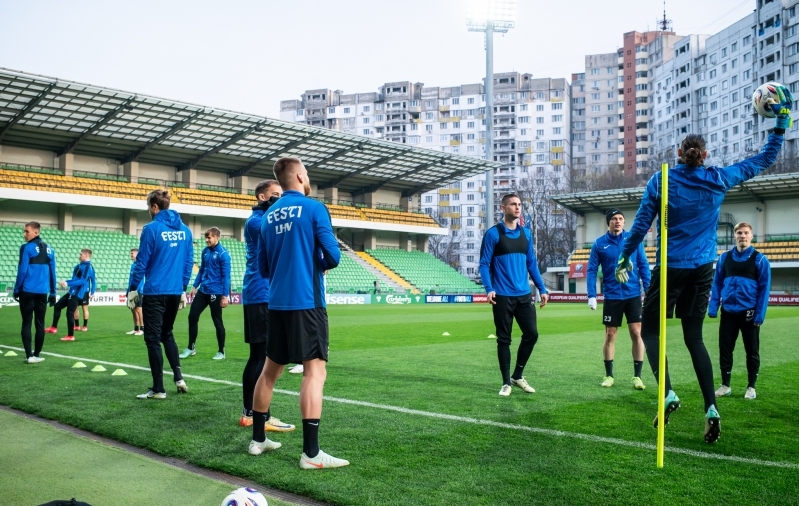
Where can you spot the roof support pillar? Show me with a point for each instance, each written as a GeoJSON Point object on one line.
{"type": "Point", "coordinates": [423, 243]}
{"type": "Point", "coordinates": [331, 195]}
{"type": "Point", "coordinates": [761, 231]}
{"type": "Point", "coordinates": [129, 222]}
{"type": "Point", "coordinates": [66, 163]}
{"type": "Point", "coordinates": [131, 171]}
{"type": "Point", "coordinates": [64, 218]}
{"type": "Point", "coordinates": [189, 178]}
{"type": "Point", "coordinates": [243, 184]}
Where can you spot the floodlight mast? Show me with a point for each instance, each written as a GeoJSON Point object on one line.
{"type": "Point", "coordinates": [490, 16]}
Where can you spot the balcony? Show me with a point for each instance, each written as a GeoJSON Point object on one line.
{"type": "Point", "coordinates": [449, 119]}
{"type": "Point", "coordinates": [556, 149]}
{"type": "Point", "coordinates": [454, 142]}
{"type": "Point", "coordinates": [443, 108]}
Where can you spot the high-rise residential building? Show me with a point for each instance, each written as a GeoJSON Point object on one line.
{"type": "Point", "coordinates": [532, 140]}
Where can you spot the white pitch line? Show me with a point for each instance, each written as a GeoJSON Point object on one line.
{"type": "Point", "coordinates": [465, 419]}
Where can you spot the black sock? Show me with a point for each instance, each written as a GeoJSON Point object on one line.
{"type": "Point", "coordinates": [310, 437]}
{"type": "Point", "coordinates": [637, 364]}
{"type": "Point", "coordinates": [86, 322]}
{"type": "Point", "coordinates": [609, 368]}
{"type": "Point", "coordinates": [268, 414]}
{"type": "Point", "coordinates": [518, 372]}
{"type": "Point", "coordinates": [258, 421]}
{"type": "Point", "coordinates": [726, 377]}
{"type": "Point", "coordinates": [246, 412]}
{"type": "Point", "coordinates": [136, 327]}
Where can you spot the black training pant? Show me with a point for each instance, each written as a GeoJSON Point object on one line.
{"type": "Point", "coordinates": [256, 332]}
{"type": "Point", "coordinates": [31, 304]}
{"type": "Point", "coordinates": [689, 291]}
{"type": "Point", "coordinates": [159, 313]}
{"type": "Point", "coordinates": [505, 310]}
{"type": "Point", "coordinates": [731, 324]}
{"type": "Point", "coordinates": [71, 303]}
{"type": "Point", "coordinates": [201, 301]}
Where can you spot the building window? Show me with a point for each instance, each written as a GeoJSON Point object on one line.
{"type": "Point", "coordinates": [346, 110]}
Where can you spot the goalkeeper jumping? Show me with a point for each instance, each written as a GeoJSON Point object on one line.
{"type": "Point", "coordinates": [695, 196]}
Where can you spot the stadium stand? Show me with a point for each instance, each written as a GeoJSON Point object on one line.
{"type": "Point", "coordinates": [424, 271]}
{"type": "Point", "coordinates": [393, 276]}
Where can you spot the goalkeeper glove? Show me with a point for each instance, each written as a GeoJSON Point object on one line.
{"type": "Point", "coordinates": [51, 300]}
{"type": "Point", "coordinates": [782, 109]}
{"type": "Point", "coordinates": [182, 301]}
{"type": "Point", "coordinates": [623, 267]}
{"type": "Point", "coordinates": [592, 303]}
{"type": "Point", "coordinates": [133, 299]}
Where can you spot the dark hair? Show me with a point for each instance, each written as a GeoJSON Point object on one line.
{"type": "Point", "coordinates": [282, 168]}
{"type": "Point", "coordinates": [264, 186]}
{"type": "Point", "coordinates": [34, 225]}
{"type": "Point", "coordinates": [506, 198]}
{"type": "Point", "coordinates": [213, 231]}
{"type": "Point", "coordinates": [87, 251]}
{"type": "Point", "coordinates": [134, 249]}
{"type": "Point", "coordinates": [160, 198]}
{"type": "Point", "coordinates": [693, 149]}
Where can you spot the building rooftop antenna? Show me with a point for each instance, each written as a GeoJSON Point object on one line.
{"type": "Point", "coordinates": [664, 24]}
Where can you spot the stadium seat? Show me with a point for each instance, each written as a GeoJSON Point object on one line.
{"type": "Point", "coordinates": [425, 271]}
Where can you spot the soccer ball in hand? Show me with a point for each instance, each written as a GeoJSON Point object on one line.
{"type": "Point", "coordinates": [244, 497]}
{"type": "Point", "coordinates": [761, 96]}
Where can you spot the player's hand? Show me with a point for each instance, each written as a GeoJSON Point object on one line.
{"type": "Point", "coordinates": [51, 300]}
{"type": "Point", "coordinates": [193, 291]}
{"type": "Point", "coordinates": [782, 109]}
{"type": "Point", "coordinates": [491, 296]}
{"type": "Point", "coordinates": [16, 296]}
{"type": "Point", "coordinates": [712, 315]}
{"type": "Point", "coordinates": [544, 299]}
{"type": "Point", "coordinates": [592, 303]}
{"type": "Point", "coordinates": [183, 301]}
{"type": "Point", "coordinates": [224, 302]}
{"type": "Point", "coordinates": [133, 299]}
{"type": "Point", "coordinates": [623, 268]}
{"type": "Point", "coordinates": [62, 284]}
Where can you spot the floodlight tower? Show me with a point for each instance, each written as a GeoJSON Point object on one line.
{"type": "Point", "coordinates": [490, 16]}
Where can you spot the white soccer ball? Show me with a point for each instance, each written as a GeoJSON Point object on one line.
{"type": "Point", "coordinates": [761, 96]}
{"type": "Point", "coordinates": [244, 496]}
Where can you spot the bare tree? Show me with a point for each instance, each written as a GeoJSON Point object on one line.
{"type": "Point", "coordinates": [446, 247]}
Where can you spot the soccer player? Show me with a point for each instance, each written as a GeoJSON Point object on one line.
{"type": "Point", "coordinates": [255, 298]}
{"type": "Point", "coordinates": [213, 281]}
{"type": "Point", "coordinates": [35, 281]}
{"type": "Point", "coordinates": [621, 299]}
{"type": "Point", "coordinates": [741, 287]}
{"type": "Point", "coordinates": [77, 287]}
{"type": "Point", "coordinates": [297, 245]}
{"type": "Point", "coordinates": [165, 258]}
{"type": "Point", "coordinates": [506, 258]}
{"type": "Point", "coordinates": [695, 196]}
{"type": "Point", "coordinates": [84, 303]}
{"type": "Point", "coordinates": [138, 324]}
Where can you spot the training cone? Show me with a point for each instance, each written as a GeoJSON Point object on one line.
{"type": "Point", "coordinates": [79, 365]}
{"type": "Point", "coordinates": [98, 368]}
{"type": "Point", "coordinates": [11, 354]}
{"type": "Point", "coordinates": [119, 372]}
{"type": "Point", "coordinates": [445, 334]}
{"type": "Point", "coordinates": [491, 336]}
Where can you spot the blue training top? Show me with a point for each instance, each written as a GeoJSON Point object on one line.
{"type": "Point", "coordinates": [256, 287]}
{"type": "Point", "coordinates": [214, 274]}
{"type": "Point", "coordinates": [81, 275]}
{"type": "Point", "coordinates": [166, 256]}
{"type": "Point", "coordinates": [504, 270]}
{"type": "Point", "coordinates": [36, 269]}
{"type": "Point", "coordinates": [138, 287]}
{"type": "Point", "coordinates": [297, 245]}
{"type": "Point", "coordinates": [605, 252]}
{"type": "Point", "coordinates": [739, 293]}
{"type": "Point", "coordinates": [695, 197]}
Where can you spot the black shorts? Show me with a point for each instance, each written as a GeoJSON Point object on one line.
{"type": "Point", "coordinates": [85, 301]}
{"type": "Point", "coordinates": [256, 323]}
{"type": "Point", "coordinates": [614, 310]}
{"type": "Point", "coordinates": [687, 296]}
{"type": "Point", "coordinates": [297, 336]}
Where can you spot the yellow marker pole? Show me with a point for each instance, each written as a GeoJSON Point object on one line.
{"type": "Point", "coordinates": [664, 243]}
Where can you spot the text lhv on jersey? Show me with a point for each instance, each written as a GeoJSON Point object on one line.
{"type": "Point", "coordinates": [281, 214]}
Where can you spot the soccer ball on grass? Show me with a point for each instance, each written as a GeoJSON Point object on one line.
{"type": "Point", "coordinates": [244, 496]}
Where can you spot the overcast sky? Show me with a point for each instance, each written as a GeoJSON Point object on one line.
{"type": "Point", "coordinates": [248, 55]}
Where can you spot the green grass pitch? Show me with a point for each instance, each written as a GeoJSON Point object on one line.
{"type": "Point", "coordinates": [418, 414]}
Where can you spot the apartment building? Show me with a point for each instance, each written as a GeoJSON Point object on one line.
{"type": "Point", "coordinates": [532, 139]}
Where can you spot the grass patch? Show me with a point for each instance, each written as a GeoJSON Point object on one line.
{"type": "Point", "coordinates": [397, 356]}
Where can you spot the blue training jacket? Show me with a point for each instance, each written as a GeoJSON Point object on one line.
{"type": "Point", "coordinates": [737, 294]}
{"type": "Point", "coordinates": [92, 287]}
{"type": "Point", "coordinates": [36, 269]}
{"type": "Point", "coordinates": [166, 256]}
{"type": "Point", "coordinates": [256, 287]}
{"type": "Point", "coordinates": [140, 286]}
{"type": "Point", "coordinates": [507, 274]}
{"type": "Point", "coordinates": [695, 197]}
{"type": "Point", "coordinates": [297, 245]}
{"type": "Point", "coordinates": [79, 285]}
{"type": "Point", "coordinates": [214, 274]}
{"type": "Point", "coordinates": [605, 252]}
